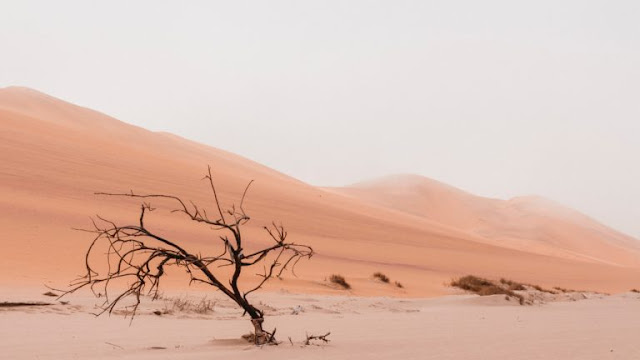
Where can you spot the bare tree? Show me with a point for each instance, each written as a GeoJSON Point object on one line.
{"type": "Point", "coordinates": [138, 256]}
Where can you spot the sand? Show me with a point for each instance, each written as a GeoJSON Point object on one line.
{"type": "Point", "coordinates": [55, 155]}
{"type": "Point", "coordinates": [452, 327]}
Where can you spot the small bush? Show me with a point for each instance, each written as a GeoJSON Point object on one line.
{"type": "Point", "coordinates": [398, 284]}
{"type": "Point", "coordinates": [484, 287]}
{"type": "Point", "coordinates": [513, 286]}
{"type": "Point", "coordinates": [541, 289]}
{"type": "Point", "coordinates": [382, 277]}
{"type": "Point", "coordinates": [473, 283]}
{"type": "Point", "coordinates": [635, 290]}
{"type": "Point", "coordinates": [185, 305]}
{"type": "Point", "coordinates": [564, 290]}
{"type": "Point", "coordinates": [340, 281]}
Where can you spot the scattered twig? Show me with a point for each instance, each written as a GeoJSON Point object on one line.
{"type": "Point", "coordinates": [114, 345]}
{"type": "Point", "coordinates": [22, 303]}
{"type": "Point", "coordinates": [317, 337]}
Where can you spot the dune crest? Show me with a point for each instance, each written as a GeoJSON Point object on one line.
{"type": "Point", "coordinates": [525, 222]}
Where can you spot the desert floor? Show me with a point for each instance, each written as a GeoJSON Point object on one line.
{"type": "Point", "coordinates": [201, 326]}
{"type": "Point", "coordinates": [55, 155]}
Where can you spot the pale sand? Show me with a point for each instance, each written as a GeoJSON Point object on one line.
{"type": "Point", "coordinates": [453, 327]}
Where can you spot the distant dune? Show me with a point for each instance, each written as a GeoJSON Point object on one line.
{"type": "Point", "coordinates": [55, 155]}
{"type": "Point", "coordinates": [527, 222]}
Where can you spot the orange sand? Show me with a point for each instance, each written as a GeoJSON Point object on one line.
{"type": "Point", "coordinates": [55, 155]}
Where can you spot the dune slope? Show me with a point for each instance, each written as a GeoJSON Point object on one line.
{"type": "Point", "coordinates": [54, 155]}
{"type": "Point", "coordinates": [527, 222]}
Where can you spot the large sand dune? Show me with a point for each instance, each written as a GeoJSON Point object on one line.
{"type": "Point", "coordinates": [55, 155]}
{"type": "Point", "coordinates": [526, 222]}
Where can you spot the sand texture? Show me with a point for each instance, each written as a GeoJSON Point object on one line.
{"type": "Point", "coordinates": [452, 327]}
{"type": "Point", "coordinates": [55, 155]}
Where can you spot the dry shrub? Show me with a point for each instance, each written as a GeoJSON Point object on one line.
{"type": "Point", "coordinates": [635, 290]}
{"type": "Point", "coordinates": [513, 286]}
{"type": "Point", "coordinates": [185, 305]}
{"type": "Point", "coordinates": [485, 287]}
{"type": "Point", "coordinates": [564, 290]}
{"type": "Point", "coordinates": [382, 277]}
{"type": "Point", "coordinates": [340, 281]}
{"type": "Point", "coordinates": [541, 289]}
{"type": "Point", "coordinates": [516, 286]}
{"type": "Point", "coordinates": [398, 284]}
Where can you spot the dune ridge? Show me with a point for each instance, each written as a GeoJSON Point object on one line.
{"type": "Point", "coordinates": [54, 155]}
{"type": "Point", "coordinates": [524, 222]}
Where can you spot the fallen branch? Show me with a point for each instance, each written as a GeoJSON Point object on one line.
{"type": "Point", "coordinates": [317, 337]}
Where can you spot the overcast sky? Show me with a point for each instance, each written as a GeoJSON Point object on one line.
{"type": "Point", "coordinates": [499, 98]}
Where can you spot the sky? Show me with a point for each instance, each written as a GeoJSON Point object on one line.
{"type": "Point", "coordinates": [499, 98]}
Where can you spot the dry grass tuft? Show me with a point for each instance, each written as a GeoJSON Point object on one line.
{"type": "Point", "coordinates": [541, 289]}
{"type": "Point", "coordinates": [485, 287]}
{"type": "Point", "coordinates": [513, 286]}
{"type": "Point", "coordinates": [516, 286]}
{"type": "Point", "coordinates": [382, 277]}
{"type": "Point", "coordinates": [185, 305]}
{"type": "Point", "coordinates": [564, 290]}
{"type": "Point", "coordinates": [340, 281]}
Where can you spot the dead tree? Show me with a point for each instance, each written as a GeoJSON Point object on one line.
{"type": "Point", "coordinates": [139, 256]}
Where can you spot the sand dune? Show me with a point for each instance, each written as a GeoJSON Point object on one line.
{"type": "Point", "coordinates": [527, 222]}
{"type": "Point", "coordinates": [55, 155]}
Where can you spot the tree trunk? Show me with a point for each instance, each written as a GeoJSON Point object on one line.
{"type": "Point", "coordinates": [260, 336]}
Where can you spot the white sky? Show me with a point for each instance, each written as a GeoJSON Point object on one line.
{"type": "Point", "coordinates": [499, 98]}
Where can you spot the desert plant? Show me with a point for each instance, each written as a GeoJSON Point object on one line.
{"type": "Point", "coordinates": [139, 256]}
{"type": "Point", "coordinates": [514, 286]}
{"type": "Point", "coordinates": [399, 285]}
{"type": "Point", "coordinates": [635, 290]}
{"type": "Point", "coordinates": [186, 305]}
{"type": "Point", "coordinates": [340, 281]}
{"type": "Point", "coordinates": [484, 287]}
{"type": "Point", "coordinates": [541, 289]}
{"type": "Point", "coordinates": [382, 277]}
